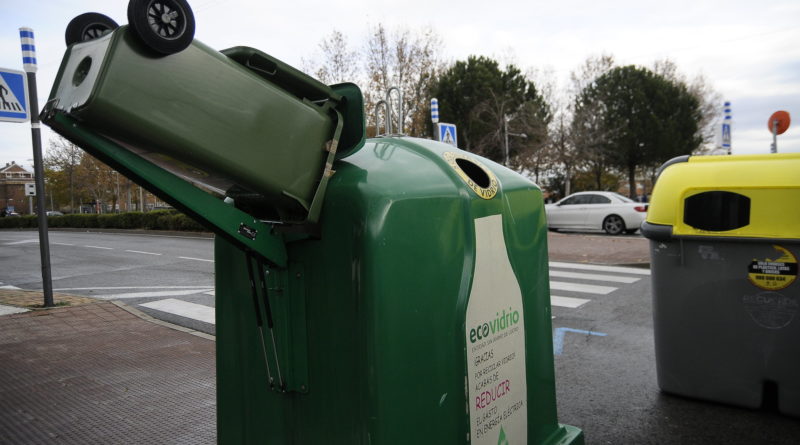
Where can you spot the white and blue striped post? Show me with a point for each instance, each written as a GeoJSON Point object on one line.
{"type": "Point", "coordinates": [435, 116]}
{"type": "Point", "coordinates": [29, 65]}
{"type": "Point", "coordinates": [726, 128]}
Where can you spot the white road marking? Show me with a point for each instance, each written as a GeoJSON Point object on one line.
{"type": "Point", "coordinates": [211, 292]}
{"type": "Point", "coordinates": [145, 253]}
{"type": "Point", "coordinates": [8, 310]}
{"type": "Point", "coordinates": [10, 287]}
{"type": "Point", "coordinates": [195, 259]}
{"type": "Point", "coordinates": [585, 288]}
{"type": "Point", "coordinates": [184, 309]}
{"type": "Point", "coordinates": [567, 301]}
{"type": "Point", "coordinates": [595, 267]}
{"type": "Point", "coordinates": [62, 244]}
{"type": "Point", "coordinates": [98, 247]}
{"type": "Point", "coordinates": [593, 277]}
{"type": "Point", "coordinates": [134, 287]}
{"type": "Point", "coordinates": [164, 293]}
{"type": "Point", "coordinates": [25, 241]}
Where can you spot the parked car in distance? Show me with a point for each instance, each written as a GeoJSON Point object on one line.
{"type": "Point", "coordinates": [607, 211]}
{"type": "Point", "coordinates": [54, 213]}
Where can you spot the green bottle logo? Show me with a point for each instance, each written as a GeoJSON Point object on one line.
{"type": "Point", "coordinates": [502, 439]}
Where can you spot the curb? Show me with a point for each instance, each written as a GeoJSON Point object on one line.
{"type": "Point", "coordinates": [634, 265]}
{"type": "Point", "coordinates": [150, 319]}
{"type": "Point", "coordinates": [123, 232]}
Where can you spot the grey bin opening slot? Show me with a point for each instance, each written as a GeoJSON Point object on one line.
{"type": "Point", "coordinates": [717, 211]}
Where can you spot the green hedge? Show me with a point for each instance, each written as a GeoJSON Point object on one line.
{"type": "Point", "coordinates": [155, 220]}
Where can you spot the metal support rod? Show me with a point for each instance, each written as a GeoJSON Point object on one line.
{"type": "Point", "coordinates": [259, 320]}
{"type": "Point", "coordinates": [262, 271]}
{"type": "Point", "coordinates": [399, 112]}
{"type": "Point", "coordinates": [385, 117]}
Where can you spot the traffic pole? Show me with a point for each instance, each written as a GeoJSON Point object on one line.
{"type": "Point", "coordinates": [435, 117]}
{"type": "Point", "coordinates": [29, 65]}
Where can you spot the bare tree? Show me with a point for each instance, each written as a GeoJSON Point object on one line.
{"type": "Point", "coordinates": [700, 87]}
{"type": "Point", "coordinates": [63, 157]}
{"type": "Point", "coordinates": [587, 132]}
{"type": "Point", "coordinates": [562, 148]}
{"type": "Point", "coordinates": [537, 156]}
{"type": "Point", "coordinates": [408, 61]}
{"type": "Point", "coordinates": [336, 62]}
{"type": "Point", "coordinates": [586, 74]}
{"type": "Point", "coordinates": [96, 180]}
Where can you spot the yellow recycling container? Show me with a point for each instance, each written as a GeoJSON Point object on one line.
{"type": "Point", "coordinates": [724, 240]}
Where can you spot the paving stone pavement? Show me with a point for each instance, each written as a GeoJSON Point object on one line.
{"type": "Point", "coordinates": [98, 374]}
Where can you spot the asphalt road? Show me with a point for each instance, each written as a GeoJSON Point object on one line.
{"type": "Point", "coordinates": [606, 380]}
{"type": "Point", "coordinates": [603, 329]}
{"type": "Point", "coordinates": [134, 268]}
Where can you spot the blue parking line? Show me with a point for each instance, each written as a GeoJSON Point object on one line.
{"type": "Point", "coordinates": [558, 337]}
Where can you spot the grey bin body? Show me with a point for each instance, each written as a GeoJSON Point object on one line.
{"type": "Point", "coordinates": [717, 336]}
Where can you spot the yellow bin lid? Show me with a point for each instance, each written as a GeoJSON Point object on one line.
{"type": "Point", "coordinates": [750, 196]}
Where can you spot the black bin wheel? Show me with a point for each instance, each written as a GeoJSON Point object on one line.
{"type": "Point", "coordinates": [165, 26]}
{"type": "Point", "coordinates": [88, 26]}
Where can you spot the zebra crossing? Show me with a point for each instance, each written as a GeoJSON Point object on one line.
{"type": "Point", "coordinates": [581, 283]}
{"type": "Point", "coordinates": [572, 285]}
{"type": "Point", "coordinates": [581, 279]}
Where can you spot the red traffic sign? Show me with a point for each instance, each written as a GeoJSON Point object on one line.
{"type": "Point", "coordinates": [782, 119]}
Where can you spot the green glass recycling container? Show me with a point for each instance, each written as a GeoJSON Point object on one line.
{"type": "Point", "coordinates": [420, 313]}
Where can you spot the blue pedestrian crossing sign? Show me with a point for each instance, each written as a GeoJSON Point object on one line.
{"type": "Point", "coordinates": [447, 133]}
{"type": "Point", "coordinates": [726, 135]}
{"type": "Point", "coordinates": [13, 96]}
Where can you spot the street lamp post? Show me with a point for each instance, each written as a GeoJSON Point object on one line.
{"type": "Point", "coordinates": [506, 120]}
{"type": "Point", "coordinates": [116, 201]}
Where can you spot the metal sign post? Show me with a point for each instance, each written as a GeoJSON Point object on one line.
{"type": "Point", "coordinates": [726, 128]}
{"type": "Point", "coordinates": [435, 115]}
{"type": "Point", "coordinates": [29, 65]}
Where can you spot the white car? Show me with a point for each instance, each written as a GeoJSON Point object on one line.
{"type": "Point", "coordinates": [606, 211]}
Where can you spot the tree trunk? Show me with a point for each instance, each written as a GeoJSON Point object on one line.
{"type": "Point", "coordinates": [598, 177]}
{"type": "Point", "coordinates": [632, 182]}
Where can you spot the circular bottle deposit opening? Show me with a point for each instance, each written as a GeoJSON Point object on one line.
{"type": "Point", "coordinates": [82, 71]}
{"type": "Point", "coordinates": [474, 172]}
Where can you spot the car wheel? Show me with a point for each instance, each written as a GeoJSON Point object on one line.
{"type": "Point", "coordinates": [552, 229]}
{"type": "Point", "coordinates": [613, 225]}
{"type": "Point", "coordinates": [88, 26]}
{"type": "Point", "coordinates": [165, 26]}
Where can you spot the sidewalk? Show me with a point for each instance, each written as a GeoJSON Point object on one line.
{"type": "Point", "coordinates": [599, 249]}
{"type": "Point", "coordinates": [96, 372]}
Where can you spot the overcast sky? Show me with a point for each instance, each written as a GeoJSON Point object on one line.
{"type": "Point", "coordinates": [749, 52]}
